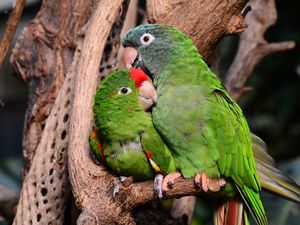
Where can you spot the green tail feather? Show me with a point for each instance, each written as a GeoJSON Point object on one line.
{"type": "Point", "coordinates": [254, 204]}
{"type": "Point", "coordinates": [271, 178]}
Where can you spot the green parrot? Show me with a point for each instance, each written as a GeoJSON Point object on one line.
{"type": "Point", "coordinates": [203, 127]}
{"type": "Point", "coordinates": [125, 139]}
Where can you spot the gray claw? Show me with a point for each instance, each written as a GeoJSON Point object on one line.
{"type": "Point", "coordinates": [116, 189]}
{"type": "Point", "coordinates": [198, 184]}
{"type": "Point", "coordinates": [158, 185]}
{"type": "Point", "coordinates": [118, 185]}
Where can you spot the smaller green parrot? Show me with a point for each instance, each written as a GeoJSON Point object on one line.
{"type": "Point", "coordinates": [125, 139]}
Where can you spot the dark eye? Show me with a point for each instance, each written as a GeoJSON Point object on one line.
{"type": "Point", "coordinates": [124, 90]}
{"type": "Point", "coordinates": [146, 39]}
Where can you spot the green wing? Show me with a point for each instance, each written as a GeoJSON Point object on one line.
{"type": "Point", "coordinates": [234, 142]}
{"type": "Point", "coordinates": [235, 148]}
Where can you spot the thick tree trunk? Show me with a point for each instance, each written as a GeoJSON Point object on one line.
{"type": "Point", "coordinates": [41, 57]}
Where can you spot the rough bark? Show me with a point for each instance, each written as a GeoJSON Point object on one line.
{"type": "Point", "coordinates": [41, 57]}
{"type": "Point", "coordinates": [205, 22]}
{"type": "Point", "coordinates": [83, 171]}
{"type": "Point", "coordinates": [47, 180]}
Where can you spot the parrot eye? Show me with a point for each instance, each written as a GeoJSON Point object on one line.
{"type": "Point", "coordinates": [146, 39]}
{"type": "Point", "coordinates": [124, 90]}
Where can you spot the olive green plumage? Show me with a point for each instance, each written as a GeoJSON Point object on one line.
{"type": "Point", "coordinates": [204, 128]}
{"type": "Point", "coordinates": [126, 131]}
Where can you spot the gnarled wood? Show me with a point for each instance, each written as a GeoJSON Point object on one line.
{"type": "Point", "coordinates": [91, 183]}
{"type": "Point", "coordinates": [41, 58]}
{"type": "Point", "coordinates": [252, 46]}
{"type": "Point", "coordinates": [205, 22]}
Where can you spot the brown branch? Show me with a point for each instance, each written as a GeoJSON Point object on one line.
{"type": "Point", "coordinates": [191, 17]}
{"type": "Point", "coordinates": [44, 53]}
{"type": "Point", "coordinates": [252, 46]}
{"type": "Point", "coordinates": [41, 56]}
{"type": "Point", "coordinates": [82, 170]}
{"type": "Point", "coordinates": [140, 193]}
{"type": "Point", "coordinates": [12, 24]}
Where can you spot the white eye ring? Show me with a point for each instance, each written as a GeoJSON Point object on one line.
{"type": "Point", "coordinates": [124, 90]}
{"type": "Point", "coordinates": [147, 38]}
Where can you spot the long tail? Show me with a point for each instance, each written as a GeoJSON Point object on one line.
{"type": "Point", "coordinates": [231, 212]}
{"type": "Point", "coordinates": [272, 179]}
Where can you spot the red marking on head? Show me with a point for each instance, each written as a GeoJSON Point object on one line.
{"type": "Point", "coordinates": [101, 151]}
{"type": "Point", "coordinates": [148, 154]}
{"type": "Point", "coordinates": [138, 76]}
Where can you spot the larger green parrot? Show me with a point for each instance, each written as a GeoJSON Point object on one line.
{"type": "Point", "coordinates": [125, 138]}
{"type": "Point", "coordinates": [204, 128]}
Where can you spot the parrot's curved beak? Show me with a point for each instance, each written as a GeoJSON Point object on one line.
{"type": "Point", "coordinates": [147, 95]}
{"type": "Point", "coordinates": [129, 56]}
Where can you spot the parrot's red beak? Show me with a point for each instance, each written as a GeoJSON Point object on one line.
{"type": "Point", "coordinates": [129, 56]}
{"type": "Point", "coordinates": [147, 95]}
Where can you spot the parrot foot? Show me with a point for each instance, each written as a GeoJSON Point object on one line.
{"type": "Point", "coordinates": [123, 181]}
{"type": "Point", "coordinates": [209, 184]}
{"type": "Point", "coordinates": [169, 180]}
{"type": "Point", "coordinates": [158, 180]}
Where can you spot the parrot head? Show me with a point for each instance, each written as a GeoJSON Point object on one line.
{"type": "Point", "coordinates": [152, 46]}
{"type": "Point", "coordinates": [126, 90]}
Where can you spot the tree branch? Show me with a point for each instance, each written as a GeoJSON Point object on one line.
{"type": "Point", "coordinates": [12, 24]}
{"type": "Point", "coordinates": [41, 56]}
{"type": "Point", "coordinates": [82, 170]}
{"type": "Point", "coordinates": [140, 193]}
{"type": "Point", "coordinates": [191, 17]}
{"type": "Point", "coordinates": [252, 46]}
